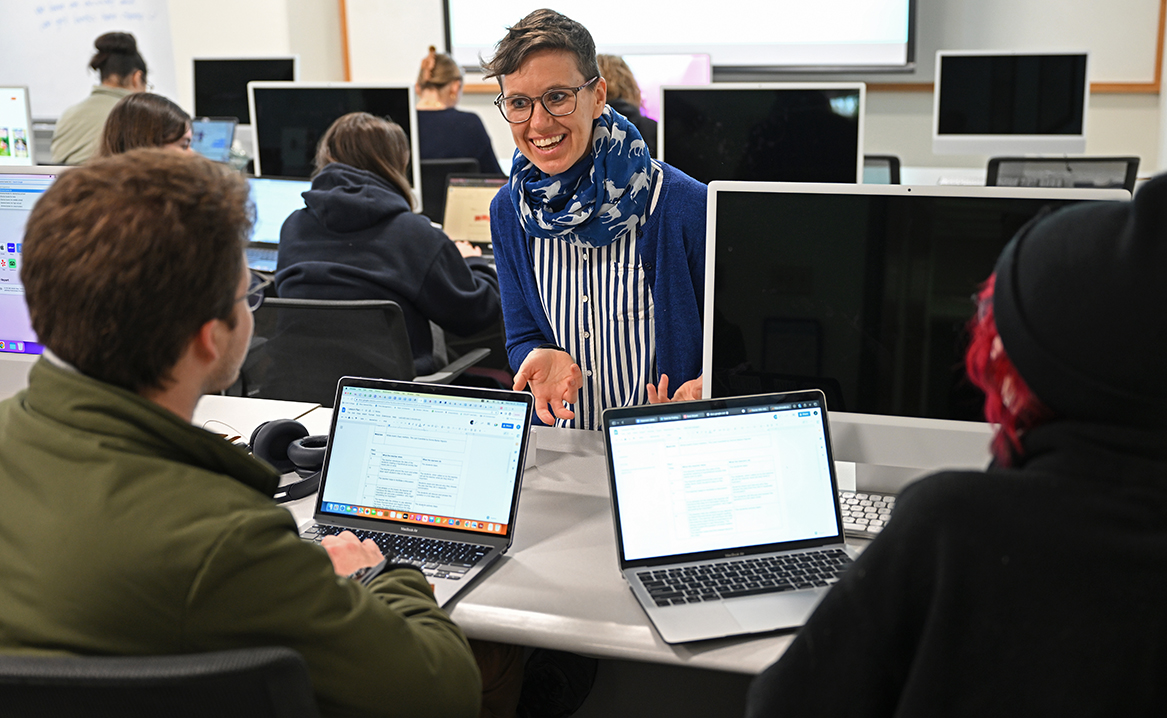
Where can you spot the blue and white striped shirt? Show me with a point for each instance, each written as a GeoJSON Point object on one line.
{"type": "Point", "coordinates": [599, 304]}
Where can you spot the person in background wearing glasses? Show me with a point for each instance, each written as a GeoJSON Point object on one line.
{"type": "Point", "coordinates": [600, 249]}
{"type": "Point", "coordinates": [122, 71]}
{"type": "Point", "coordinates": [125, 529]}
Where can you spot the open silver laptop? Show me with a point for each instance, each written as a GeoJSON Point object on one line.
{"type": "Point", "coordinates": [726, 512]}
{"type": "Point", "coordinates": [467, 213]}
{"type": "Point", "coordinates": [212, 137]}
{"type": "Point", "coordinates": [274, 199]}
{"type": "Point", "coordinates": [430, 472]}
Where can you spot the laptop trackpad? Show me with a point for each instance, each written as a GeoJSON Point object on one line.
{"type": "Point", "coordinates": [774, 611]}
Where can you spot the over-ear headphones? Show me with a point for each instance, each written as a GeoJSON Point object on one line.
{"type": "Point", "coordinates": [286, 445]}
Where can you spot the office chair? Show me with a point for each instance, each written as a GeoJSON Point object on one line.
{"type": "Point", "coordinates": [433, 183]}
{"type": "Point", "coordinates": [302, 347]}
{"type": "Point", "coordinates": [881, 169]}
{"type": "Point", "coordinates": [1084, 172]}
{"type": "Point", "coordinates": [251, 683]}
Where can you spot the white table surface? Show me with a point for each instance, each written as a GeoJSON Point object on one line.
{"type": "Point", "coordinates": [560, 586]}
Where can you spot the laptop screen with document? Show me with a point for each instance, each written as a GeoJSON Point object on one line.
{"type": "Point", "coordinates": [718, 477]}
{"type": "Point", "coordinates": [417, 458]}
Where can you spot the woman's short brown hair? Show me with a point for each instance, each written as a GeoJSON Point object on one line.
{"type": "Point", "coordinates": [142, 120]}
{"type": "Point", "coordinates": [437, 70]}
{"type": "Point", "coordinates": [543, 30]}
{"type": "Point", "coordinates": [127, 257]}
{"type": "Point", "coordinates": [369, 143]}
{"type": "Point", "coordinates": [621, 83]}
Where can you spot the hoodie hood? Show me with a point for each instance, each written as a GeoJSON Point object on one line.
{"type": "Point", "coordinates": [346, 199]}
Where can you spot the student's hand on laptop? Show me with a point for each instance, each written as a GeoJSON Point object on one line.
{"type": "Point", "coordinates": [554, 378]}
{"type": "Point", "coordinates": [688, 391]}
{"type": "Point", "coordinates": [467, 249]}
{"type": "Point", "coordinates": [348, 553]}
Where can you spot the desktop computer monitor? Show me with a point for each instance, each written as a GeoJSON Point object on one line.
{"type": "Point", "coordinates": [16, 146]}
{"type": "Point", "coordinates": [220, 83]}
{"type": "Point", "coordinates": [862, 291]}
{"type": "Point", "coordinates": [1010, 102]}
{"type": "Point", "coordinates": [290, 117]}
{"type": "Point", "coordinates": [20, 188]}
{"type": "Point", "coordinates": [652, 72]}
{"type": "Point", "coordinates": [771, 132]}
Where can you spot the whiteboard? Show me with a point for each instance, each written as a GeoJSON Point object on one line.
{"type": "Point", "coordinates": [47, 46]}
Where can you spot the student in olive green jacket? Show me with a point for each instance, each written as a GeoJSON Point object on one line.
{"type": "Point", "coordinates": [126, 530]}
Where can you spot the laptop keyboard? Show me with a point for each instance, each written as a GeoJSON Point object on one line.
{"type": "Point", "coordinates": [437, 558]}
{"type": "Point", "coordinates": [744, 577]}
{"type": "Point", "coordinates": [262, 259]}
{"type": "Point", "coordinates": [865, 512]}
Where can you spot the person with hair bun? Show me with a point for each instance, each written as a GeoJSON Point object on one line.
{"type": "Point", "coordinates": [357, 238]}
{"type": "Point", "coordinates": [443, 131]}
{"type": "Point", "coordinates": [145, 120]}
{"type": "Point", "coordinates": [122, 71]}
{"type": "Point", "coordinates": [1033, 587]}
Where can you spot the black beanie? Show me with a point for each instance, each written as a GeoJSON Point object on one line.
{"type": "Point", "coordinates": [1080, 302]}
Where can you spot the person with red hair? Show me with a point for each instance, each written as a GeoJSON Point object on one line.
{"type": "Point", "coordinates": [1033, 587]}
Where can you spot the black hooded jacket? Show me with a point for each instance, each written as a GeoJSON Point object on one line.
{"type": "Point", "coordinates": [358, 239]}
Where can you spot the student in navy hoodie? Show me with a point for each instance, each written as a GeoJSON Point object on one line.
{"type": "Point", "coordinates": [358, 238]}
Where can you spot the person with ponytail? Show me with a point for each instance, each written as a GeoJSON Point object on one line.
{"type": "Point", "coordinates": [443, 131]}
{"type": "Point", "coordinates": [600, 248]}
{"type": "Point", "coordinates": [1033, 587]}
{"type": "Point", "coordinates": [122, 71]}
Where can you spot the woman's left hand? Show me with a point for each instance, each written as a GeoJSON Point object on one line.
{"type": "Point", "coordinates": [688, 391]}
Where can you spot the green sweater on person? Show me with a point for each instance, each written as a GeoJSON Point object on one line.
{"type": "Point", "coordinates": [78, 132]}
{"type": "Point", "coordinates": [125, 530]}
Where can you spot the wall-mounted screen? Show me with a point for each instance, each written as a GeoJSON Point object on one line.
{"type": "Point", "coordinates": [858, 35]}
{"type": "Point", "coordinates": [1010, 103]}
{"type": "Point", "coordinates": [766, 132]}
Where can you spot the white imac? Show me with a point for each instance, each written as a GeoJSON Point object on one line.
{"type": "Point", "coordinates": [652, 72]}
{"type": "Point", "coordinates": [20, 188]}
{"type": "Point", "coordinates": [16, 145]}
{"type": "Point", "coordinates": [863, 292]}
{"type": "Point", "coordinates": [290, 117]}
{"type": "Point", "coordinates": [1010, 103]}
{"type": "Point", "coordinates": [764, 132]}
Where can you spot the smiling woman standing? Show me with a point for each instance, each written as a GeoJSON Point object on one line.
{"type": "Point", "coordinates": [600, 249]}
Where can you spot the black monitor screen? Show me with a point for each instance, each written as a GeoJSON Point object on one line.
{"type": "Point", "coordinates": [866, 297]}
{"type": "Point", "coordinates": [290, 121]}
{"type": "Point", "coordinates": [220, 86]}
{"type": "Point", "coordinates": [1012, 94]}
{"type": "Point", "coordinates": [762, 134]}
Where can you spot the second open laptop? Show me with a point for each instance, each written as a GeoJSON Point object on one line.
{"type": "Point", "coordinates": [431, 472]}
{"type": "Point", "coordinates": [726, 512]}
{"type": "Point", "coordinates": [275, 198]}
{"type": "Point", "coordinates": [467, 213]}
{"type": "Point", "coordinates": [212, 137]}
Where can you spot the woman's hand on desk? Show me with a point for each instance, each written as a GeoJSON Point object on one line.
{"type": "Point", "coordinates": [468, 250]}
{"type": "Point", "coordinates": [348, 553]}
{"type": "Point", "coordinates": [688, 391]}
{"type": "Point", "coordinates": [554, 378]}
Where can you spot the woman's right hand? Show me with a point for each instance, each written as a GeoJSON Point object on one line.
{"type": "Point", "coordinates": [467, 249]}
{"type": "Point", "coordinates": [554, 378]}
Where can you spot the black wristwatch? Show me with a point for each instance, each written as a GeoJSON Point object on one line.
{"type": "Point", "coordinates": [366, 574]}
{"type": "Point", "coordinates": [549, 345]}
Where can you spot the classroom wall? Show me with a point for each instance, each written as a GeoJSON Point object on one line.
{"type": "Point", "coordinates": [897, 122]}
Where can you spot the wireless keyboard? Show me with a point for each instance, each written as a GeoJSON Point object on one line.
{"type": "Point", "coordinates": [865, 512]}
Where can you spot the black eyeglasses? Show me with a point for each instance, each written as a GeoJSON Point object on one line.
{"type": "Point", "coordinates": [255, 289]}
{"type": "Point", "coordinates": [558, 101]}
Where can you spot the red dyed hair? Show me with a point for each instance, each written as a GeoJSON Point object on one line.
{"type": "Point", "coordinates": [1014, 410]}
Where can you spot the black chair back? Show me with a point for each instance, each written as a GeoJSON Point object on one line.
{"type": "Point", "coordinates": [433, 183]}
{"type": "Point", "coordinates": [247, 683]}
{"type": "Point", "coordinates": [302, 347]}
